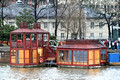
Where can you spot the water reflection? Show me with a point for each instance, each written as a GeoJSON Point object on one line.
{"type": "Point", "coordinates": [54, 73]}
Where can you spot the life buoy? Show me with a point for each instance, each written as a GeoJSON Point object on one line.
{"type": "Point", "coordinates": [41, 60]}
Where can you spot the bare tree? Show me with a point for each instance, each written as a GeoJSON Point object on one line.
{"type": "Point", "coordinates": [2, 2]}
{"type": "Point", "coordinates": [106, 12]}
{"type": "Point", "coordinates": [74, 18]}
{"type": "Point", "coordinates": [36, 13]}
{"type": "Point", "coordinates": [61, 8]}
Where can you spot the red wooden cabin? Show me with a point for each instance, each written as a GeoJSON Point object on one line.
{"type": "Point", "coordinates": [81, 53]}
{"type": "Point", "coordinates": [30, 46]}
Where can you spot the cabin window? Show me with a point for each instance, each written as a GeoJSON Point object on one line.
{"type": "Point", "coordinates": [80, 56]}
{"type": "Point", "coordinates": [27, 40]}
{"type": "Point", "coordinates": [34, 56]}
{"type": "Point", "coordinates": [39, 40]}
{"type": "Point", "coordinates": [34, 44]}
{"type": "Point", "coordinates": [64, 56]}
{"type": "Point", "coordinates": [14, 40]}
{"type": "Point", "coordinates": [85, 56]}
{"type": "Point", "coordinates": [46, 40]}
{"type": "Point", "coordinates": [27, 56]}
{"type": "Point", "coordinates": [20, 57]}
{"type": "Point", "coordinates": [103, 54]}
{"type": "Point", "coordinates": [13, 56]}
{"type": "Point", "coordinates": [20, 41]}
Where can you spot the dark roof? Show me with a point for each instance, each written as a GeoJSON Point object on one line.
{"type": "Point", "coordinates": [47, 11]}
{"type": "Point", "coordinates": [91, 13]}
{"type": "Point", "coordinates": [13, 10]}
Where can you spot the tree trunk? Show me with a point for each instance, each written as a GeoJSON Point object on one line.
{"type": "Point", "coordinates": [80, 30]}
{"type": "Point", "coordinates": [35, 11]}
{"type": "Point", "coordinates": [67, 35]}
{"type": "Point", "coordinates": [2, 16]}
{"type": "Point", "coordinates": [109, 33]}
{"type": "Point", "coordinates": [68, 24]}
{"type": "Point", "coordinates": [56, 25]}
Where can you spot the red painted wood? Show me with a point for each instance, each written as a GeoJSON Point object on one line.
{"type": "Point", "coordinates": [33, 45]}
{"type": "Point", "coordinates": [10, 48]}
{"type": "Point", "coordinates": [72, 57]}
{"type": "Point", "coordinates": [87, 57]}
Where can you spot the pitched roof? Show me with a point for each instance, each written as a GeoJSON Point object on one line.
{"type": "Point", "coordinates": [47, 11]}
{"type": "Point", "coordinates": [26, 30]}
{"type": "Point", "coordinates": [81, 44]}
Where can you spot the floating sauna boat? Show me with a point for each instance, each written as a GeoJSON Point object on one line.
{"type": "Point", "coordinates": [81, 53]}
{"type": "Point", "coordinates": [30, 46]}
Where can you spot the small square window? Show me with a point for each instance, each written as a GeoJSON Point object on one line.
{"type": "Point", "coordinates": [100, 24]}
{"type": "Point", "coordinates": [100, 35]}
{"type": "Point", "coordinates": [92, 35]}
{"type": "Point", "coordinates": [46, 24]}
{"type": "Point", "coordinates": [62, 35]}
{"type": "Point", "coordinates": [92, 24]}
{"type": "Point", "coordinates": [53, 24]}
{"type": "Point", "coordinates": [62, 25]}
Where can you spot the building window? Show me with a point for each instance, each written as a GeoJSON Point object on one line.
{"type": "Point", "coordinates": [92, 24]}
{"type": "Point", "coordinates": [11, 23]}
{"type": "Point", "coordinates": [46, 25]}
{"type": "Point", "coordinates": [111, 6]}
{"type": "Point", "coordinates": [62, 35]}
{"type": "Point", "coordinates": [92, 35]}
{"type": "Point", "coordinates": [100, 35]}
{"type": "Point", "coordinates": [75, 24]}
{"type": "Point", "coordinates": [53, 34]}
{"type": "Point", "coordinates": [45, 37]}
{"type": "Point", "coordinates": [100, 24]}
{"type": "Point", "coordinates": [62, 25]}
{"type": "Point", "coordinates": [103, 54]}
{"type": "Point", "coordinates": [53, 24]}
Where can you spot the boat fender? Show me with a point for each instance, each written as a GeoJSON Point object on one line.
{"type": "Point", "coordinates": [41, 60]}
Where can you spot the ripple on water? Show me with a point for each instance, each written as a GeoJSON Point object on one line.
{"type": "Point", "coordinates": [8, 73]}
{"type": "Point", "coordinates": [107, 74]}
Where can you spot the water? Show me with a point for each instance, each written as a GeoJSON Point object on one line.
{"type": "Point", "coordinates": [54, 73]}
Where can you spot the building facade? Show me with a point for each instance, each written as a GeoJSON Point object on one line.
{"type": "Point", "coordinates": [93, 26]}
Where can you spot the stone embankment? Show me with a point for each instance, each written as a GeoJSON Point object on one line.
{"type": "Point", "coordinates": [4, 54]}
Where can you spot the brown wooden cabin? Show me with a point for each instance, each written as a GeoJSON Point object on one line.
{"type": "Point", "coordinates": [30, 46]}
{"type": "Point", "coordinates": [81, 53]}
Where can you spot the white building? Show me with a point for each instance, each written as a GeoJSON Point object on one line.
{"type": "Point", "coordinates": [94, 28]}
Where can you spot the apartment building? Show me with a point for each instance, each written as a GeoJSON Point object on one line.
{"type": "Point", "coordinates": [93, 26]}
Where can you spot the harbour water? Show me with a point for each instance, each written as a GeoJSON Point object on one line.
{"type": "Point", "coordinates": [55, 73]}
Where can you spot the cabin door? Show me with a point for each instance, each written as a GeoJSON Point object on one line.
{"type": "Point", "coordinates": [94, 57]}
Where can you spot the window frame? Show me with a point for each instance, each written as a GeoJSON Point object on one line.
{"type": "Point", "coordinates": [92, 25]}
